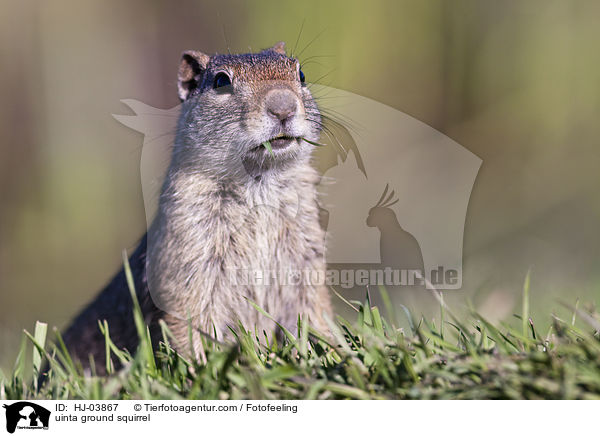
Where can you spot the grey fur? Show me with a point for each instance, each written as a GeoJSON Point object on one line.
{"type": "Point", "coordinates": [226, 205]}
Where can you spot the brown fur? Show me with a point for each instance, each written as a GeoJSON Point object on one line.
{"type": "Point", "coordinates": [226, 205]}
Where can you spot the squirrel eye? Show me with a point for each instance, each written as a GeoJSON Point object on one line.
{"type": "Point", "coordinates": [302, 78]}
{"type": "Point", "coordinates": [221, 80]}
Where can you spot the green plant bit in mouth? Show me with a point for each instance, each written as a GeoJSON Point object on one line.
{"type": "Point", "coordinates": [267, 145]}
{"type": "Point", "coordinates": [279, 142]}
{"type": "Point", "coordinates": [313, 143]}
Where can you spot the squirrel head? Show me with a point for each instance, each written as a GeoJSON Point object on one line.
{"type": "Point", "coordinates": [234, 103]}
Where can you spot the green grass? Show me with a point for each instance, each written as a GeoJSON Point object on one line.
{"type": "Point", "coordinates": [366, 359]}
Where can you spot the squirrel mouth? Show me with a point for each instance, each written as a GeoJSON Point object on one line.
{"type": "Point", "coordinates": [279, 142]}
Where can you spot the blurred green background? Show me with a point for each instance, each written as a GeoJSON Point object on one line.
{"type": "Point", "coordinates": [517, 83]}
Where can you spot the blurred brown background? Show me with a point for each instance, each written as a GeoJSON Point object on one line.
{"type": "Point", "coordinates": [517, 83]}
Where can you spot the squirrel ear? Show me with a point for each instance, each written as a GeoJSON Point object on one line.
{"type": "Point", "coordinates": [279, 48]}
{"type": "Point", "coordinates": [192, 67]}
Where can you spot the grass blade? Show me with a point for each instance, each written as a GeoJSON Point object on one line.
{"type": "Point", "coordinates": [267, 145]}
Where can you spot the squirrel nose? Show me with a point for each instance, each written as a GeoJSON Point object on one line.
{"type": "Point", "coordinates": [281, 104]}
